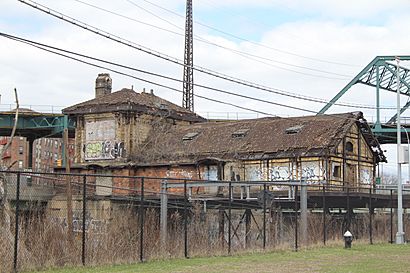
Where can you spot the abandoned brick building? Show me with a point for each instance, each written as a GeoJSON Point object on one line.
{"type": "Point", "coordinates": [140, 134]}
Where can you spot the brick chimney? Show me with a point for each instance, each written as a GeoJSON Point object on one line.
{"type": "Point", "coordinates": [103, 85]}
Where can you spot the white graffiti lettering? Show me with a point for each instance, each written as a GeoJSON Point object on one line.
{"type": "Point", "coordinates": [365, 177]}
{"type": "Point", "coordinates": [279, 173]}
{"type": "Point", "coordinates": [179, 174]}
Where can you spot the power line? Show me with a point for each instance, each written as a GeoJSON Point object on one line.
{"type": "Point", "coordinates": [249, 56]}
{"type": "Point", "coordinates": [128, 18]}
{"type": "Point", "coordinates": [41, 46]}
{"type": "Point", "coordinates": [250, 41]}
{"type": "Point", "coordinates": [244, 54]}
{"type": "Point", "coordinates": [159, 75]}
{"type": "Point", "coordinates": [172, 59]}
{"type": "Point", "coordinates": [134, 77]}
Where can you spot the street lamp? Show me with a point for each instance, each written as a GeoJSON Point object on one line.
{"type": "Point", "coordinates": [400, 232]}
{"type": "Point", "coordinates": [408, 150]}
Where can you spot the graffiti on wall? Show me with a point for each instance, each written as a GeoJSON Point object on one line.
{"type": "Point", "coordinates": [179, 174]}
{"type": "Point", "coordinates": [104, 150]}
{"type": "Point", "coordinates": [100, 141]}
{"type": "Point", "coordinates": [365, 177]}
{"type": "Point", "coordinates": [90, 223]}
{"type": "Point", "coordinates": [279, 173]}
{"type": "Point", "coordinates": [254, 173]}
{"type": "Point", "coordinates": [312, 172]}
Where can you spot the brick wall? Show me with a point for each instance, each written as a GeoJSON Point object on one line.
{"type": "Point", "coordinates": [16, 156]}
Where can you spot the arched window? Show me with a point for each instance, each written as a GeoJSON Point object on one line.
{"type": "Point", "coordinates": [349, 146]}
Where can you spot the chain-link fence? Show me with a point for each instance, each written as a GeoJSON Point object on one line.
{"type": "Point", "coordinates": [52, 220]}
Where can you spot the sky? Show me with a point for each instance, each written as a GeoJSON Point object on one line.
{"type": "Point", "coordinates": [311, 48]}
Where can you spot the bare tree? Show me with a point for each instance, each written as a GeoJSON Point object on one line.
{"type": "Point", "coordinates": [4, 205]}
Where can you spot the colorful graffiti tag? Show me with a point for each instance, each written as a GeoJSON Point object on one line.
{"type": "Point", "coordinates": [104, 150]}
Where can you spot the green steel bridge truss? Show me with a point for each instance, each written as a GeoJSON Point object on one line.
{"type": "Point", "coordinates": [33, 125]}
{"type": "Point", "coordinates": [381, 73]}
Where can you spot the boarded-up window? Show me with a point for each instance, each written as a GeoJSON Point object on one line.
{"type": "Point", "coordinates": [103, 185]}
{"type": "Point", "coordinates": [211, 173]}
{"type": "Point", "coordinates": [351, 174]}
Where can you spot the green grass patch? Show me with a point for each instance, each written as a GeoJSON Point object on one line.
{"type": "Point", "coordinates": [361, 258]}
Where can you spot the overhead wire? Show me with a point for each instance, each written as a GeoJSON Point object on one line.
{"type": "Point", "coordinates": [242, 53]}
{"type": "Point", "coordinates": [169, 58]}
{"type": "Point", "coordinates": [250, 41]}
{"type": "Point", "coordinates": [42, 46]}
{"type": "Point", "coordinates": [246, 55]}
{"type": "Point", "coordinates": [143, 80]}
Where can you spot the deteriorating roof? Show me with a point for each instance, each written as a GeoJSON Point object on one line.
{"type": "Point", "coordinates": [129, 100]}
{"type": "Point", "coordinates": [253, 139]}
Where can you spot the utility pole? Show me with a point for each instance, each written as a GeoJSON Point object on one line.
{"type": "Point", "coordinates": [400, 232]}
{"type": "Point", "coordinates": [188, 84]}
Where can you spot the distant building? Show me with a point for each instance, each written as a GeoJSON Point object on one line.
{"type": "Point", "coordinates": [46, 154]}
{"type": "Point", "coordinates": [16, 157]}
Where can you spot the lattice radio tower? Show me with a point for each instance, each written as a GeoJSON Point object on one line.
{"type": "Point", "coordinates": [188, 88]}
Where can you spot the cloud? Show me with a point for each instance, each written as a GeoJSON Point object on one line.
{"type": "Point", "coordinates": [363, 9]}
{"type": "Point", "coordinates": [42, 78]}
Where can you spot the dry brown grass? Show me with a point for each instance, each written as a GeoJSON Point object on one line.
{"type": "Point", "coordinates": [43, 240]}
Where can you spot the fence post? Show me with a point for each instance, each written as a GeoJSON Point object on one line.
{"type": "Point", "coordinates": [347, 210]}
{"type": "Point", "coordinates": [16, 234]}
{"type": "Point", "coordinates": [371, 217]}
{"type": "Point", "coordinates": [304, 211]}
{"type": "Point", "coordinates": [164, 213]}
{"type": "Point", "coordinates": [229, 216]}
{"type": "Point", "coordinates": [84, 218]}
{"type": "Point", "coordinates": [324, 214]}
{"type": "Point", "coordinates": [296, 218]}
{"type": "Point", "coordinates": [221, 221]}
{"type": "Point", "coordinates": [185, 220]}
{"type": "Point", "coordinates": [142, 221]}
{"type": "Point", "coordinates": [264, 215]}
{"type": "Point", "coordinates": [248, 221]}
{"type": "Point", "coordinates": [391, 216]}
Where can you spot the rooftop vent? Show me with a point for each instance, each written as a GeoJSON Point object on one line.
{"type": "Point", "coordinates": [240, 133]}
{"type": "Point", "coordinates": [293, 130]}
{"type": "Point", "coordinates": [190, 136]}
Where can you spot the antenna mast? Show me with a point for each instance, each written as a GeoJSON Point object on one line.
{"type": "Point", "coordinates": [188, 88]}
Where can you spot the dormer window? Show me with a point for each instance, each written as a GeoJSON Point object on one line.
{"type": "Point", "coordinates": [349, 146]}
{"type": "Point", "coordinates": [190, 136]}
{"type": "Point", "coordinates": [293, 130]}
{"type": "Point", "coordinates": [240, 133]}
